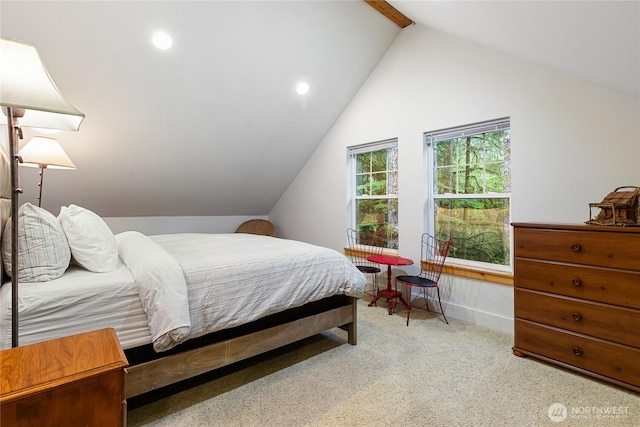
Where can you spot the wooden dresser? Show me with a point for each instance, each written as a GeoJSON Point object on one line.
{"type": "Point", "coordinates": [577, 298]}
{"type": "Point", "coordinates": [75, 380]}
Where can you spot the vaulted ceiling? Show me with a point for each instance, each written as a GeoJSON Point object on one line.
{"type": "Point", "coordinates": [596, 40]}
{"type": "Point", "coordinates": [214, 126]}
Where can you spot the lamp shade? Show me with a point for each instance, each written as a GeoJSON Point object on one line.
{"type": "Point", "coordinates": [45, 152]}
{"type": "Point", "coordinates": [25, 85]}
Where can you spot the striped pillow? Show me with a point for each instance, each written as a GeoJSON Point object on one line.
{"type": "Point", "coordinates": [5, 193]}
{"type": "Point", "coordinates": [43, 251]}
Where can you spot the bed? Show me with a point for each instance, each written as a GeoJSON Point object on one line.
{"type": "Point", "coordinates": [185, 304]}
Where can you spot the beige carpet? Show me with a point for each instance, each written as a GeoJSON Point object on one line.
{"type": "Point", "coordinates": [427, 374]}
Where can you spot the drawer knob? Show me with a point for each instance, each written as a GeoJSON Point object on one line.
{"type": "Point", "coordinates": [576, 316]}
{"type": "Point", "coordinates": [577, 351]}
{"type": "Point", "coordinates": [576, 247]}
{"type": "Point", "coordinates": [576, 281]}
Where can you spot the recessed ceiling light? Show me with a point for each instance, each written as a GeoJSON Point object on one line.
{"type": "Point", "coordinates": [162, 40]}
{"type": "Point", "coordinates": [302, 88]}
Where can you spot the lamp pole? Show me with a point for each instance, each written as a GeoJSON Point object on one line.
{"type": "Point", "coordinates": [14, 133]}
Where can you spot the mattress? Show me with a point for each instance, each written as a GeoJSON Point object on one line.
{"type": "Point", "coordinates": [77, 302]}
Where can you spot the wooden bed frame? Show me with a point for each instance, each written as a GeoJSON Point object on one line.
{"type": "Point", "coordinates": [149, 371]}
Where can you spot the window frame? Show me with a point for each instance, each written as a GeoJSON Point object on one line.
{"type": "Point", "coordinates": [429, 140]}
{"type": "Point", "coordinates": [352, 197]}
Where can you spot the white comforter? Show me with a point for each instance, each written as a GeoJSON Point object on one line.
{"type": "Point", "coordinates": [228, 279]}
{"type": "Point", "coordinates": [161, 287]}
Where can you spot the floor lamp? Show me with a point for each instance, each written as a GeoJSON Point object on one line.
{"type": "Point", "coordinates": [28, 98]}
{"type": "Point", "coordinates": [44, 153]}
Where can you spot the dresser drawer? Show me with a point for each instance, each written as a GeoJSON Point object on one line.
{"type": "Point", "coordinates": [589, 318]}
{"type": "Point", "coordinates": [612, 360]}
{"type": "Point", "coordinates": [618, 287]}
{"type": "Point", "coordinates": [613, 250]}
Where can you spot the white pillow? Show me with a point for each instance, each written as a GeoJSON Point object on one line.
{"type": "Point", "coordinates": [90, 239]}
{"type": "Point", "coordinates": [43, 251]}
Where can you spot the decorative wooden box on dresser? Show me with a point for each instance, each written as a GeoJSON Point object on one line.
{"type": "Point", "coordinates": [75, 380]}
{"type": "Point", "coordinates": [577, 298]}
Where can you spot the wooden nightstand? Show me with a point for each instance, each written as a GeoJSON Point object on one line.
{"type": "Point", "coordinates": [75, 380]}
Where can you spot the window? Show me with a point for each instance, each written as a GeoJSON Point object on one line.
{"type": "Point", "coordinates": [373, 178]}
{"type": "Point", "coordinates": [469, 191]}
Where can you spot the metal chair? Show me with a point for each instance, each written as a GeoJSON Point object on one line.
{"type": "Point", "coordinates": [433, 254]}
{"type": "Point", "coordinates": [361, 245]}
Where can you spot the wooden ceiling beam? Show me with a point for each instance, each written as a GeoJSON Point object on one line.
{"type": "Point", "coordinates": [390, 12]}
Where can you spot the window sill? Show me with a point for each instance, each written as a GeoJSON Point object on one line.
{"type": "Point", "coordinates": [456, 270]}
{"type": "Point", "coordinates": [364, 253]}
{"type": "Point", "coordinates": [476, 274]}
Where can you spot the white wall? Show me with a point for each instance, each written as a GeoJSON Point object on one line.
{"type": "Point", "coordinates": [572, 143]}
{"type": "Point", "coordinates": [151, 225]}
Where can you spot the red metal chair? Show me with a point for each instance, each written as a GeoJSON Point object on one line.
{"type": "Point", "coordinates": [361, 245]}
{"type": "Point", "coordinates": [433, 254]}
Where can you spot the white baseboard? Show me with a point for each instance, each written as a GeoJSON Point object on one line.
{"type": "Point", "coordinates": [481, 318]}
{"type": "Point", "coordinates": [475, 316]}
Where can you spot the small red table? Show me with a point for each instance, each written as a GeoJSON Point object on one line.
{"type": "Point", "coordinates": [389, 293]}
